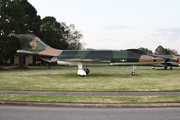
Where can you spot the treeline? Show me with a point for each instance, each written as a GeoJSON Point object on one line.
{"type": "Point", "coordinates": [160, 50]}
{"type": "Point", "coordinates": [20, 17]}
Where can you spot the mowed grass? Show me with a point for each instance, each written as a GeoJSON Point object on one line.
{"type": "Point", "coordinates": [108, 78]}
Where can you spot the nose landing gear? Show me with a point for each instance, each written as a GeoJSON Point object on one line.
{"type": "Point", "coordinates": [133, 68]}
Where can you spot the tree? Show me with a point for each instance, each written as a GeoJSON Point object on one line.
{"type": "Point", "coordinates": [7, 45]}
{"type": "Point", "coordinates": [20, 17]}
{"type": "Point", "coordinates": [73, 37]}
{"type": "Point", "coordinates": [160, 50]}
{"type": "Point", "coordinates": [146, 50]}
{"type": "Point", "coordinates": [17, 16]}
{"type": "Point", "coordinates": [172, 51]}
{"type": "Point", "coordinates": [52, 33]}
{"type": "Point", "coordinates": [59, 35]}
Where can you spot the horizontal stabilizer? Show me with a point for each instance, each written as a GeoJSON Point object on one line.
{"type": "Point", "coordinates": [23, 36]}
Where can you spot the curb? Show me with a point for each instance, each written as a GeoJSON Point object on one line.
{"type": "Point", "coordinates": [92, 105]}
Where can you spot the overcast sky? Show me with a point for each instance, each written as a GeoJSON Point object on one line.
{"type": "Point", "coordinates": [119, 24]}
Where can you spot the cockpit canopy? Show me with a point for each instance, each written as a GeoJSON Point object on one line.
{"type": "Point", "coordinates": [137, 51]}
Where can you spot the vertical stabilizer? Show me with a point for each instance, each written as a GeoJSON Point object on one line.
{"type": "Point", "coordinates": [30, 42]}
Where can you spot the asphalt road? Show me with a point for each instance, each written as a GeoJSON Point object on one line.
{"type": "Point", "coordinates": [56, 113]}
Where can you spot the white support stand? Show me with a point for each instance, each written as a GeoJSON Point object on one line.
{"type": "Point", "coordinates": [80, 72]}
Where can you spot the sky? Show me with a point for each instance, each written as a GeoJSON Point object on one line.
{"type": "Point", "coordinates": [118, 24]}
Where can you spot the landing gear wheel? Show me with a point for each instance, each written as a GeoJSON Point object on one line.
{"type": "Point", "coordinates": [87, 71]}
{"type": "Point", "coordinates": [81, 75]}
{"type": "Point", "coordinates": [133, 73]}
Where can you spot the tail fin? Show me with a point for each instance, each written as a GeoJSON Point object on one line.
{"type": "Point", "coordinates": [30, 42]}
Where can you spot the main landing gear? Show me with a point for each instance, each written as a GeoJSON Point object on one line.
{"type": "Point", "coordinates": [133, 73]}
{"type": "Point", "coordinates": [82, 72]}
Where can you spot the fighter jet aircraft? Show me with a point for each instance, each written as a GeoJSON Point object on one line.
{"type": "Point", "coordinates": [133, 57]}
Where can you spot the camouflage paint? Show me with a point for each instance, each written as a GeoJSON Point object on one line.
{"type": "Point", "coordinates": [119, 56]}
{"type": "Point", "coordinates": [116, 57]}
{"type": "Point", "coordinates": [81, 54]}
{"type": "Point", "coordinates": [49, 51]}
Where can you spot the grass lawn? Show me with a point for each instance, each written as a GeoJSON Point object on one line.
{"type": "Point", "coordinates": [108, 78]}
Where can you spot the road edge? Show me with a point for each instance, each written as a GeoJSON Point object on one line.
{"type": "Point", "coordinates": [91, 105]}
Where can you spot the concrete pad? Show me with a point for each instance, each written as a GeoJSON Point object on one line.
{"type": "Point", "coordinates": [51, 93]}
{"type": "Point", "coordinates": [107, 94]}
{"type": "Point", "coordinates": [148, 93]}
{"type": "Point", "coordinates": [7, 92]}
{"type": "Point", "coordinates": [23, 92]}
{"type": "Point", "coordinates": [133, 93]}
{"type": "Point", "coordinates": [167, 93]}
{"type": "Point", "coordinates": [79, 93]}
{"type": "Point", "coordinates": [35, 92]}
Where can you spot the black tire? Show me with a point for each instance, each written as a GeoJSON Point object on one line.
{"type": "Point", "coordinates": [133, 73]}
{"type": "Point", "coordinates": [87, 71]}
{"type": "Point", "coordinates": [81, 75]}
